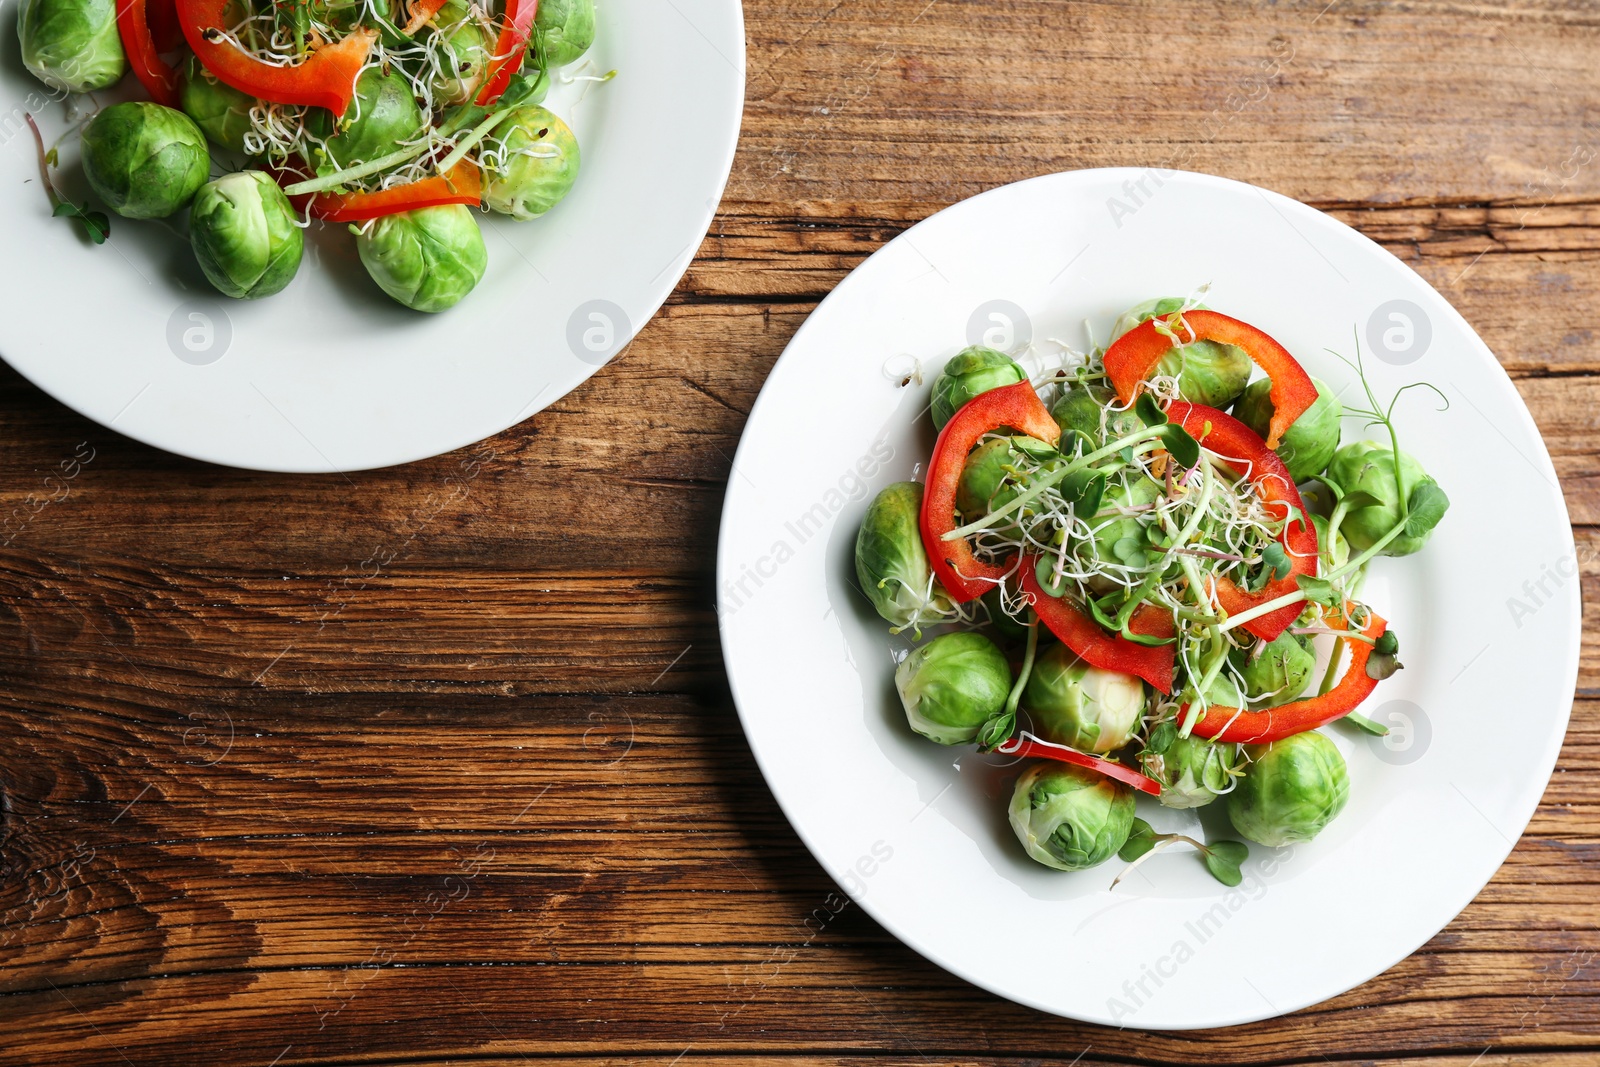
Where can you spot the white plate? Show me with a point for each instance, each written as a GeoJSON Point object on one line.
{"type": "Point", "coordinates": [332, 375]}
{"type": "Point", "coordinates": [917, 834]}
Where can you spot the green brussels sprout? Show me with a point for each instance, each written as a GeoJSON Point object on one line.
{"type": "Point", "coordinates": [952, 685]}
{"type": "Point", "coordinates": [1367, 468]}
{"type": "Point", "coordinates": [1005, 625]}
{"type": "Point", "coordinates": [1310, 441]}
{"type": "Point", "coordinates": [464, 49]}
{"type": "Point", "coordinates": [71, 45]}
{"type": "Point", "coordinates": [969, 372]}
{"type": "Point", "coordinates": [891, 564]}
{"type": "Point", "coordinates": [144, 160]}
{"type": "Point", "coordinates": [221, 111]}
{"type": "Point", "coordinates": [1292, 789]}
{"type": "Point", "coordinates": [1280, 672]}
{"type": "Point", "coordinates": [1082, 707]}
{"type": "Point", "coordinates": [427, 258]}
{"type": "Point", "coordinates": [244, 234]}
{"type": "Point", "coordinates": [986, 481]}
{"type": "Point", "coordinates": [383, 115]}
{"type": "Point", "coordinates": [1070, 818]}
{"type": "Point", "coordinates": [1193, 771]}
{"type": "Point", "coordinates": [564, 30]}
{"type": "Point", "coordinates": [1207, 372]}
{"type": "Point", "coordinates": [1331, 544]}
{"type": "Point", "coordinates": [530, 163]}
{"type": "Point", "coordinates": [1083, 407]}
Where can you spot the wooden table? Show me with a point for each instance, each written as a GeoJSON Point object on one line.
{"type": "Point", "coordinates": [438, 764]}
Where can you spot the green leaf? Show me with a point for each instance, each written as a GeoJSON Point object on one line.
{"type": "Point", "coordinates": [1142, 839]}
{"type": "Point", "coordinates": [997, 730]}
{"type": "Point", "coordinates": [1162, 737]}
{"type": "Point", "coordinates": [1148, 410]}
{"type": "Point", "coordinates": [1375, 728]}
{"type": "Point", "coordinates": [1100, 615]}
{"type": "Point", "coordinates": [1360, 498]}
{"type": "Point", "coordinates": [95, 224]}
{"type": "Point", "coordinates": [1126, 455]}
{"type": "Point", "coordinates": [1387, 644]}
{"type": "Point", "coordinates": [1427, 506]}
{"type": "Point", "coordinates": [1277, 561]}
{"type": "Point", "coordinates": [1318, 590]}
{"type": "Point", "coordinates": [1224, 860]}
{"type": "Point", "coordinates": [1083, 490]}
{"type": "Point", "coordinates": [1147, 640]}
{"type": "Point", "coordinates": [1130, 550]}
{"type": "Point", "coordinates": [1381, 666]}
{"type": "Point", "coordinates": [1184, 448]}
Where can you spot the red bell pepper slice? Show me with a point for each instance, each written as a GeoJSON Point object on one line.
{"type": "Point", "coordinates": [421, 12]}
{"type": "Point", "coordinates": [1025, 745]}
{"type": "Point", "coordinates": [463, 185]}
{"type": "Point", "coordinates": [962, 574]}
{"type": "Point", "coordinates": [162, 16]}
{"type": "Point", "coordinates": [509, 48]}
{"type": "Point", "coordinates": [1134, 355]}
{"type": "Point", "coordinates": [158, 79]}
{"type": "Point", "coordinates": [1112, 652]}
{"type": "Point", "coordinates": [1250, 457]}
{"type": "Point", "coordinates": [325, 78]}
{"type": "Point", "coordinates": [1296, 717]}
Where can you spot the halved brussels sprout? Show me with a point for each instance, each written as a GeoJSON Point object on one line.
{"type": "Point", "coordinates": [71, 45]}
{"type": "Point", "coordinates": [891, 564]}
{"type": "Point", "coordinates": [1311, 440]}
{"type": "Point", "coordinates": [465, 48]}
{"type": "Point", "coordinates": [952, 685]}
{"type": "Point", "coordinates": [1291, 791]}
{"type": "Point", "coordinates": [1278, 673]}
{"type": "Point", "coordinates": [969, 372]}
{"type": "Point", "coordinates": [1068, 817]}
{"type": "Point", "coordinates": [427, 258]}
{"type": "Point", "coordinates": [144, 160]}
{"type": "Point", "coordinates": [984, 484]}
{"type": "Point", "coordinates": [1367, 468]}
{"type": "Point", "coordinates": [1082, 707]}
{"type": "Point", "coordinates": [530, 163]}
{"type": "Point", "coordinates": [243, 231]}
{"type": "Point", "coordinates": [1193, 771]}
{"type": "Point", "coordinates": [1207, 372]}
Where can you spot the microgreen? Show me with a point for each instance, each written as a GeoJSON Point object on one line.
{"type": "Point", "coordinates": [1224, 859]}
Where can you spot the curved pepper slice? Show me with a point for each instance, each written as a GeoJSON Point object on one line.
{"type": "Point", "coordinates": [1111, 652]}
{"type": "Point", "coordinates": [463, 185]}
{"type": "Point", "coordinates": [325, 78]}
{"type": "Point", "coordinates": [421, 11]}
{"type": "Point", "coordinates": [158, 79]}
{"type": "Point", "coordinates": [1296, 717]}
{"type": "Point", "coordinates": [1250, 457]}
{"type": "Point", "coordinates": [509, 48]}
{"type": "Point", "coordinates": [1030, 746]}
{"type": "Point", "coordinates": [1134, 355]}
{"type": "Point", "coordinates": [1017, 406]}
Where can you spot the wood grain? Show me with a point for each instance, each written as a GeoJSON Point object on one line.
{"type": "Point", "coordinates": [438, 765]}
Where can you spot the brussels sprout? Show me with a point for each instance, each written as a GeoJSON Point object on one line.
{"type": "Point", "coordinates": [1367, 469]}
{"type": "Point", "coordinates": [530, 164]}
{"type": "Point", "coordinates": [428, 258]}
{"type": "Point", "coordinates": [1082, 408]}
{"type": "Point", "coordinates": [1120, 539]}
{"type": "Point", "coordinates": [984, 485]}
{"type": "Point", "coordinates": [1292, 789]}
{"type": "Point", "coordinates": [383, 115]}
{"type": "Point", "coordinates": [952, 685]}
{"type": "Point", "coordinates": [1331, 544]}
{"type": "Point", "coordinates": [244, 234]}
{"type": "Point", "coordinates": [144, 160]}
{"type": "Point", "coordinates": [220, 110]}
{"type": "Point", "coordinates": [464, 49]}
{"type": "Point", "coordinates": [1082, 707]}
{"type": "Point", "coordinates": [1070, 818]}
{"type": "Point", "coordinates": [564, 30]}
{"type": "Point", "coordinates": [1280, 672]}
{"type": "Point", "coordinates": [969, 372]}
{"type": "Point", "coordinates": [1193, 771]}
{"type": "Point", "coordinates": [1208, 372]}
{"type": "Point", "coordinates": [891, 564]}
{"type": "Point", "coordinates": [71, 45]}
{"type": "Point", "coordinates": [1310, 441]}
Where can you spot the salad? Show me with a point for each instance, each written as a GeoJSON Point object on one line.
{"type": "Point", "coordinates": [395, 117]}
{"type": "Point", "coordinates": [1134, 587]}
